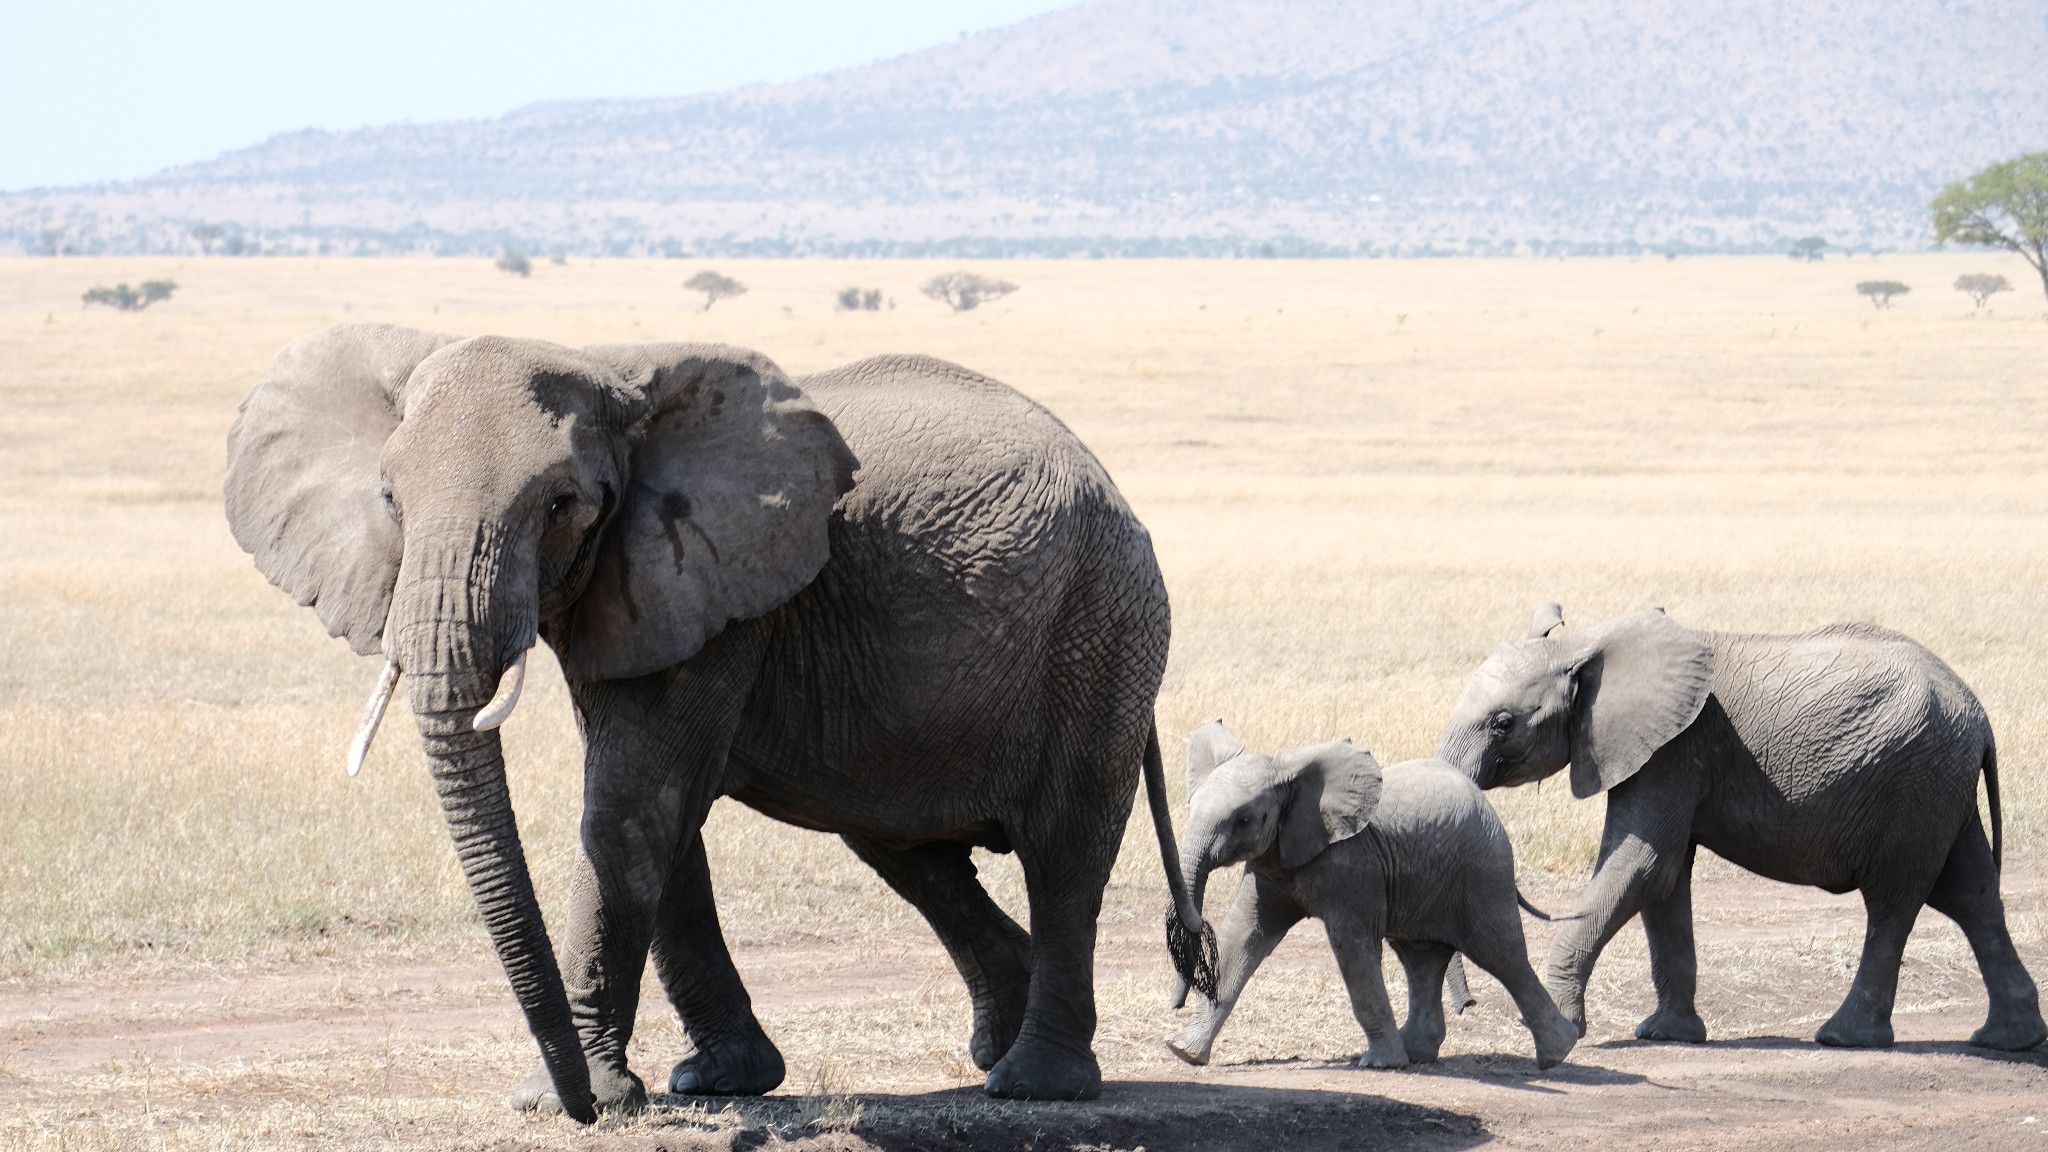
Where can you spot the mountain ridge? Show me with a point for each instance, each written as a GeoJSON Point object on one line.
{"type": "Point", "coordinates": [1207, 127]}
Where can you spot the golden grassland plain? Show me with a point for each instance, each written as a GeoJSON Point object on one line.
{"type": "Point", "coordinates": [1360, 476]}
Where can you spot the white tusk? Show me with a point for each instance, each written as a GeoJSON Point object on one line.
{"type": "Point", "coordinates": [373, 715]}
{"type": "Point", "coordinates": [501, 705]}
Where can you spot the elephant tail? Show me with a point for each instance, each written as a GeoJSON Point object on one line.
{"type": "Point", "coordinates": [1189, 940]}
{"type": "Point", "coordinates": [1991, 793]}
{"type": "Point", "coordinates": [1539, 913]}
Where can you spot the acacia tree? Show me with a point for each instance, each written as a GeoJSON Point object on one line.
{"type": "Point", "coordinates": [1882, 291]}
{"type": "Point", "coordinates": [126, 299]}
{"type": "Point", "coordinates": [1981, 286]}
{"type": "Point", "coordinates": [714, 287]}
{"type": "Point", "coordinates": [965, 291]}
{"type": "Point", "coordinates": [1809, 248]}
{"type": "Point", "coordinates": [208, 235]}
{"type": "Point", "coordinates": [2004, 206]}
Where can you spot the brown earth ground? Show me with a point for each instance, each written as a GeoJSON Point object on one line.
{"type": "Point", "coordinates": [1359, 477]}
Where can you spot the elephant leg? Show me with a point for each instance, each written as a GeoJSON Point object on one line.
{"type": "Point", "coordinates": [1257, 921]}
{"type": "Point", "coordinates": [1066, 849]}
{"type": "Point", "coordinates": [1639, 864]}
{"type": "Point", "coordinates": [654, 759]}
{"type": "Point", "coordinates": [991, 952]}
{"type": "Point", "coordinates": [1967, 892]}
{"type": "Point", "coordinates": [731, 1055]}
{"type": "Point", "coordinates": [1865, 1018]}
{"type": "Point", "coordinates": [1674, 964]}
{"type": "Point", "coordinates": [1425, 964]}
{"type": "Point", "coordinates": [1358, 943]}
{"type": "Point", "coordinates": [1497, 947]}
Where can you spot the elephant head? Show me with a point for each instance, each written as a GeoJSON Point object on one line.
{"type": "Point", "coordinates": [1603, 701]}
{"type": "Point", "coordinates": [446, 501]}
{"type": "Point", "coordinates": [1293, 804]}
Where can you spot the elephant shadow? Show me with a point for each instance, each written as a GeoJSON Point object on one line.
{"type": "Point", "coordinates": [1182, 1115]}
{"type": "Point", "coordinates": [1516, 1073]}
{"type": "Point", "coordinates": [2037, 1057]}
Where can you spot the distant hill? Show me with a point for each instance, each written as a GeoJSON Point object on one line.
{"type": "Point", "coordinates": [1199, 127]}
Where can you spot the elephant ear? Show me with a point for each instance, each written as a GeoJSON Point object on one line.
{"type": "Point", "coordinates": [1637, 684]}
{"type": "Point", "coordinates": [731, 483]}
{"type": "Point", "coordinates": [1209, 747]}
{"type": "Point", "coordinates": [1334, 790]}
{"type": "Point", "coordinates": [304, 490]}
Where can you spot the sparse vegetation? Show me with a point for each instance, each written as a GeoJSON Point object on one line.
{"type": "Point", "coordinates": [2003, 206]}
{"type": "Point", "coordinates": [714, 286]}
{"type": "Point", "coordinates": [516, 263]}
{"type": "Point", "coordinates": [860, 299]}
{"type": "Point", "coordinates": [966, 291]}
{"type": "Point", "coordinates": [1809, 248]}
{"type": "Point", "coordinates": [1981, 286]}
{"type": "Point", "coordinates": [125, 299]}
{"type": "Point", "coordinates": [1882, 292]}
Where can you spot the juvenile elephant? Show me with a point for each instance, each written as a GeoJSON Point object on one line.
{"type": "Point", "coordinates": [1417, 859]}
{"type": "Point", "coordinates": [896, 601]}
{"type": "Point", "coordinates": [1845, 758]}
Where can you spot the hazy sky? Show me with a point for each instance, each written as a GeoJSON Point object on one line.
{"type": "Point", "coordinates": [122, 88]}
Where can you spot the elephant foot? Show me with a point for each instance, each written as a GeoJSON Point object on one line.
{"type": "Point", "coordinates": [1571, 1003]}
{"type": "Point", "coordinates": [1555, 1039]}
{"type": "Point", "coordinates": [995, 1028]}
{"type": "Point", "coordinates": [1422, 1049]}
{"type": "Point", "coordinates": [616, 1091]}
{"type": "Point", "coordinates": [1384, 1056]}
{"type": "Point", "coordinates": [1673, 1026]}
{"type": "Point", "coordinates": [737, 1068]}
{"type": "Point", "coordinates": [1191, 1044]}
{"type": "Point", "coordinates": [2011, 1034]}
{"type": "Point", "coordinates": [1036, 1070]}
{"type": "Point", "coordinates": [1845, 1031]}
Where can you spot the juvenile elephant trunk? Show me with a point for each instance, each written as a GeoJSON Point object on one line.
{"type": "Point", "coordinates": [453, 643]}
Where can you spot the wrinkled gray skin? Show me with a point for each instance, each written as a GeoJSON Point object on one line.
{"type": "Point", "coordinates": [1846, 758]}
{"type": "Point", "coordinates": [1418, 860]}
{"type": "Point", "coordinates": [898, 602]}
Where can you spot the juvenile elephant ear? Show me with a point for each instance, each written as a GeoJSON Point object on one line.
{"type": "Point", "coordinates": [303, 479]}
{"type": "Point", "coordinates": [1638, 683]}
{"type": "Point", "coordinates": [1209, 747]}
{"type": "Point", "coordinates": [731, 482]}
{"type": "Point", "coordinates": [1335, 789]}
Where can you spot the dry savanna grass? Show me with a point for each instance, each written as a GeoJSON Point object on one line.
{"type": "Point", "coordinates": [1360, 476]}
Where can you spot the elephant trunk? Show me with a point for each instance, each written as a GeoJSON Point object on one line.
{"type": "Point", "coordinates": [452, 643]}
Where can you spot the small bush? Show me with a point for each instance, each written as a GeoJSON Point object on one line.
{"type": "Point", "coordinates": [714, 287]}
{"type": "Point", "coordinates": [966, 291]}
{"type": "Point", "coordinates": [1881, 292]}
{"type": "Point", "coordinates": [860, 299]}
{"type": "Point", "coordinates": [126, 299]}
{"type": "Point", "coordinates": [515, 262]}
{"type": "Point", "coordinates": [1981, 286]}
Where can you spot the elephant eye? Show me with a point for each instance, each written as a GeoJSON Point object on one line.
{"type": "Point", "coordinates": [560, 506]}
{"type": "Point", "coordinates": [390, 502]}
{"type": "Point", "coordinates": [1501, 722]}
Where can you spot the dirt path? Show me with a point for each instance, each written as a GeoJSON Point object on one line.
{"type": "Point", "coordinates": [420, 1055]}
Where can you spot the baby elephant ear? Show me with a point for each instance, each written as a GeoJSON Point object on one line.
{"type": "Point", "coordinates": [1638, 683]}
{"type": "Point", "coordinates": [304, 464]}
{"type": "Point", "coordinates": [1547, 619]}
{"type": "Point", "coordinates": [1334, 790]}
{"type": "Point", "coordinates": [1209, 747]}
{"type": "Point", "coordinates": [733, 475]}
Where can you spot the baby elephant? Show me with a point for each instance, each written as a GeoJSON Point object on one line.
{"type": "Point", "coordinates": [1418, 860]}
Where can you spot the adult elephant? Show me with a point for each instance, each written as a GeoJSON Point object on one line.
{"type": "Point", "coordinates": [899, 602]}
{"type": "Point", "coordinates": [1846, 758]}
